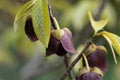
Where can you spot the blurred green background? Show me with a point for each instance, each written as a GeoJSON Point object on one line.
{"type": "Point", "coordinates": [21, 59]}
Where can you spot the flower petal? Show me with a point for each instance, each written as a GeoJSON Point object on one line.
{"type": "Point", "coordinates": [53, 46]}
{"type": "Point", "coordinates": [61, 51]}
{"type": "Point", "coordinates": [98, 59]}
{"type": "Point", "coordinates": [30, 31]}
{"type": "Point", "coordinates": [67, 42]}
{"type": "Point", "coordinates": [91, 76]}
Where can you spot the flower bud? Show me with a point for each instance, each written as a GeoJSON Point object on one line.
{"type": "Point", "coordinates": [97, 57]}
{"type": "Point", "coordinates": [93, 74]}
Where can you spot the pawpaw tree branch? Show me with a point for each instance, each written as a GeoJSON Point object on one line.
{"type": "Point", "coordinates": [97, 16]}
{"type": "Point", "coordinates": [83, 31]}
{"type": "Point", "coordinates": [76, 60]}
{"type": "Point", "coordinates": [66, 61]}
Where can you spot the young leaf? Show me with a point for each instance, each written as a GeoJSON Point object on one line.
{"type": "Point", "coordinates": [20, 16]}
{"type": "Point", "coordinates": [41, 21]}
{"type": "Point", "coordinates": [110, 44]}
{"type": "Point", "coordinates": [114, 39]}
{"type": "Point", "coordinates": [97, 25]}
{"type": "Point", "coordinates": [20, 23]}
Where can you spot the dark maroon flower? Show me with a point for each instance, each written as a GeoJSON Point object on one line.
{"type": "Point", "coordinates": [97, 57]}
{"type": "Point", "coordinates": [89, 76]}
{"type": "Point", "coordinates": [94, 74]}
{"type": "Point", "coordinates": [30, 31]}
{"type": "Point", "coordinates": [60, 42]}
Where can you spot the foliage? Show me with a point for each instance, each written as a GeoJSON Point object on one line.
{"type": "Point", "coordinates": [21, 59]}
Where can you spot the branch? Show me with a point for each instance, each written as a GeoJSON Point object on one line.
{"type": "Point", "coordinates": [76, 60]}
{"type": "Point", "coordinates": [66, 57]}
{"type": "Point", "coordinates": [53, 19]}
{"type": "Point", "coordinates": [97, 15]}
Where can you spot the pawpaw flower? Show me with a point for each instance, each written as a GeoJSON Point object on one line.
{"type": "Point", "coordinates": [60, 42]}
{"type": "Point", "coordinates": [97, 57]}
{"type": "Point", "coordinates": [93, 74]}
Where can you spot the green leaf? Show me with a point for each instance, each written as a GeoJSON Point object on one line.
{"type": "Point", "coordinates": [24, 9]}
{"type": "Point", "coordinates": [21, 15]}
{"type": "Point", "coordinates": [113, 40]}
{"type": "Point", "coordinates": [41, 21]}
{"type": "Point", "coordinates": [20, 23]}
{"type": "Point", "coordinates": [111, 46]}
{"type": "Point", "coordinates": [97, 25]}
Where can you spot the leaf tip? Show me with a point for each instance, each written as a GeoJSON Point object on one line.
{"type": "Point", "coordinates": [90, 16]}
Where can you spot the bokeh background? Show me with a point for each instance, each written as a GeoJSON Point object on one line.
{"type": "Point", "coordinates": [21, 59]}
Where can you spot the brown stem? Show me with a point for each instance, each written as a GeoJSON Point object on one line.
{"type": "Point", "coordinates": [76, 60]}
{"type": "Point", "coordinates": [66, 57]}
{"type": "Point", "coordinates": [52, 18]}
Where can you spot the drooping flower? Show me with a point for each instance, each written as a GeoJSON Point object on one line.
{"type": "Point", "coordinates": [93, 74]}
{"type": "Point", "coordinates": [97, 57]}
{"type": "Point", "coordinates": [60, 42]}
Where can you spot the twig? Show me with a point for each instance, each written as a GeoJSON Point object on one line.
{"type": "Point", "coordinates": [97, 15]}
{"type": "Point", "coordinates": [52, 17]}
{"type": "Point", "coordinates": [75, 61]}
{"type": "Point", "coordinates": [66, 57]}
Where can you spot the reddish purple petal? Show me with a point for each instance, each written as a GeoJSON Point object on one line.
{"type": "Point", "coordinates": [53, 46]}
{"type": "Point", "coordinates": [89, 76]}
{"type": "Point", "coordinates": [98, 59]}
{"type": "Point", "coordinates": [67, 42]}
{"type": "Point", "coordinates": [61, 51]}
{"type": "Point", "coordinates": [30, 31]}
